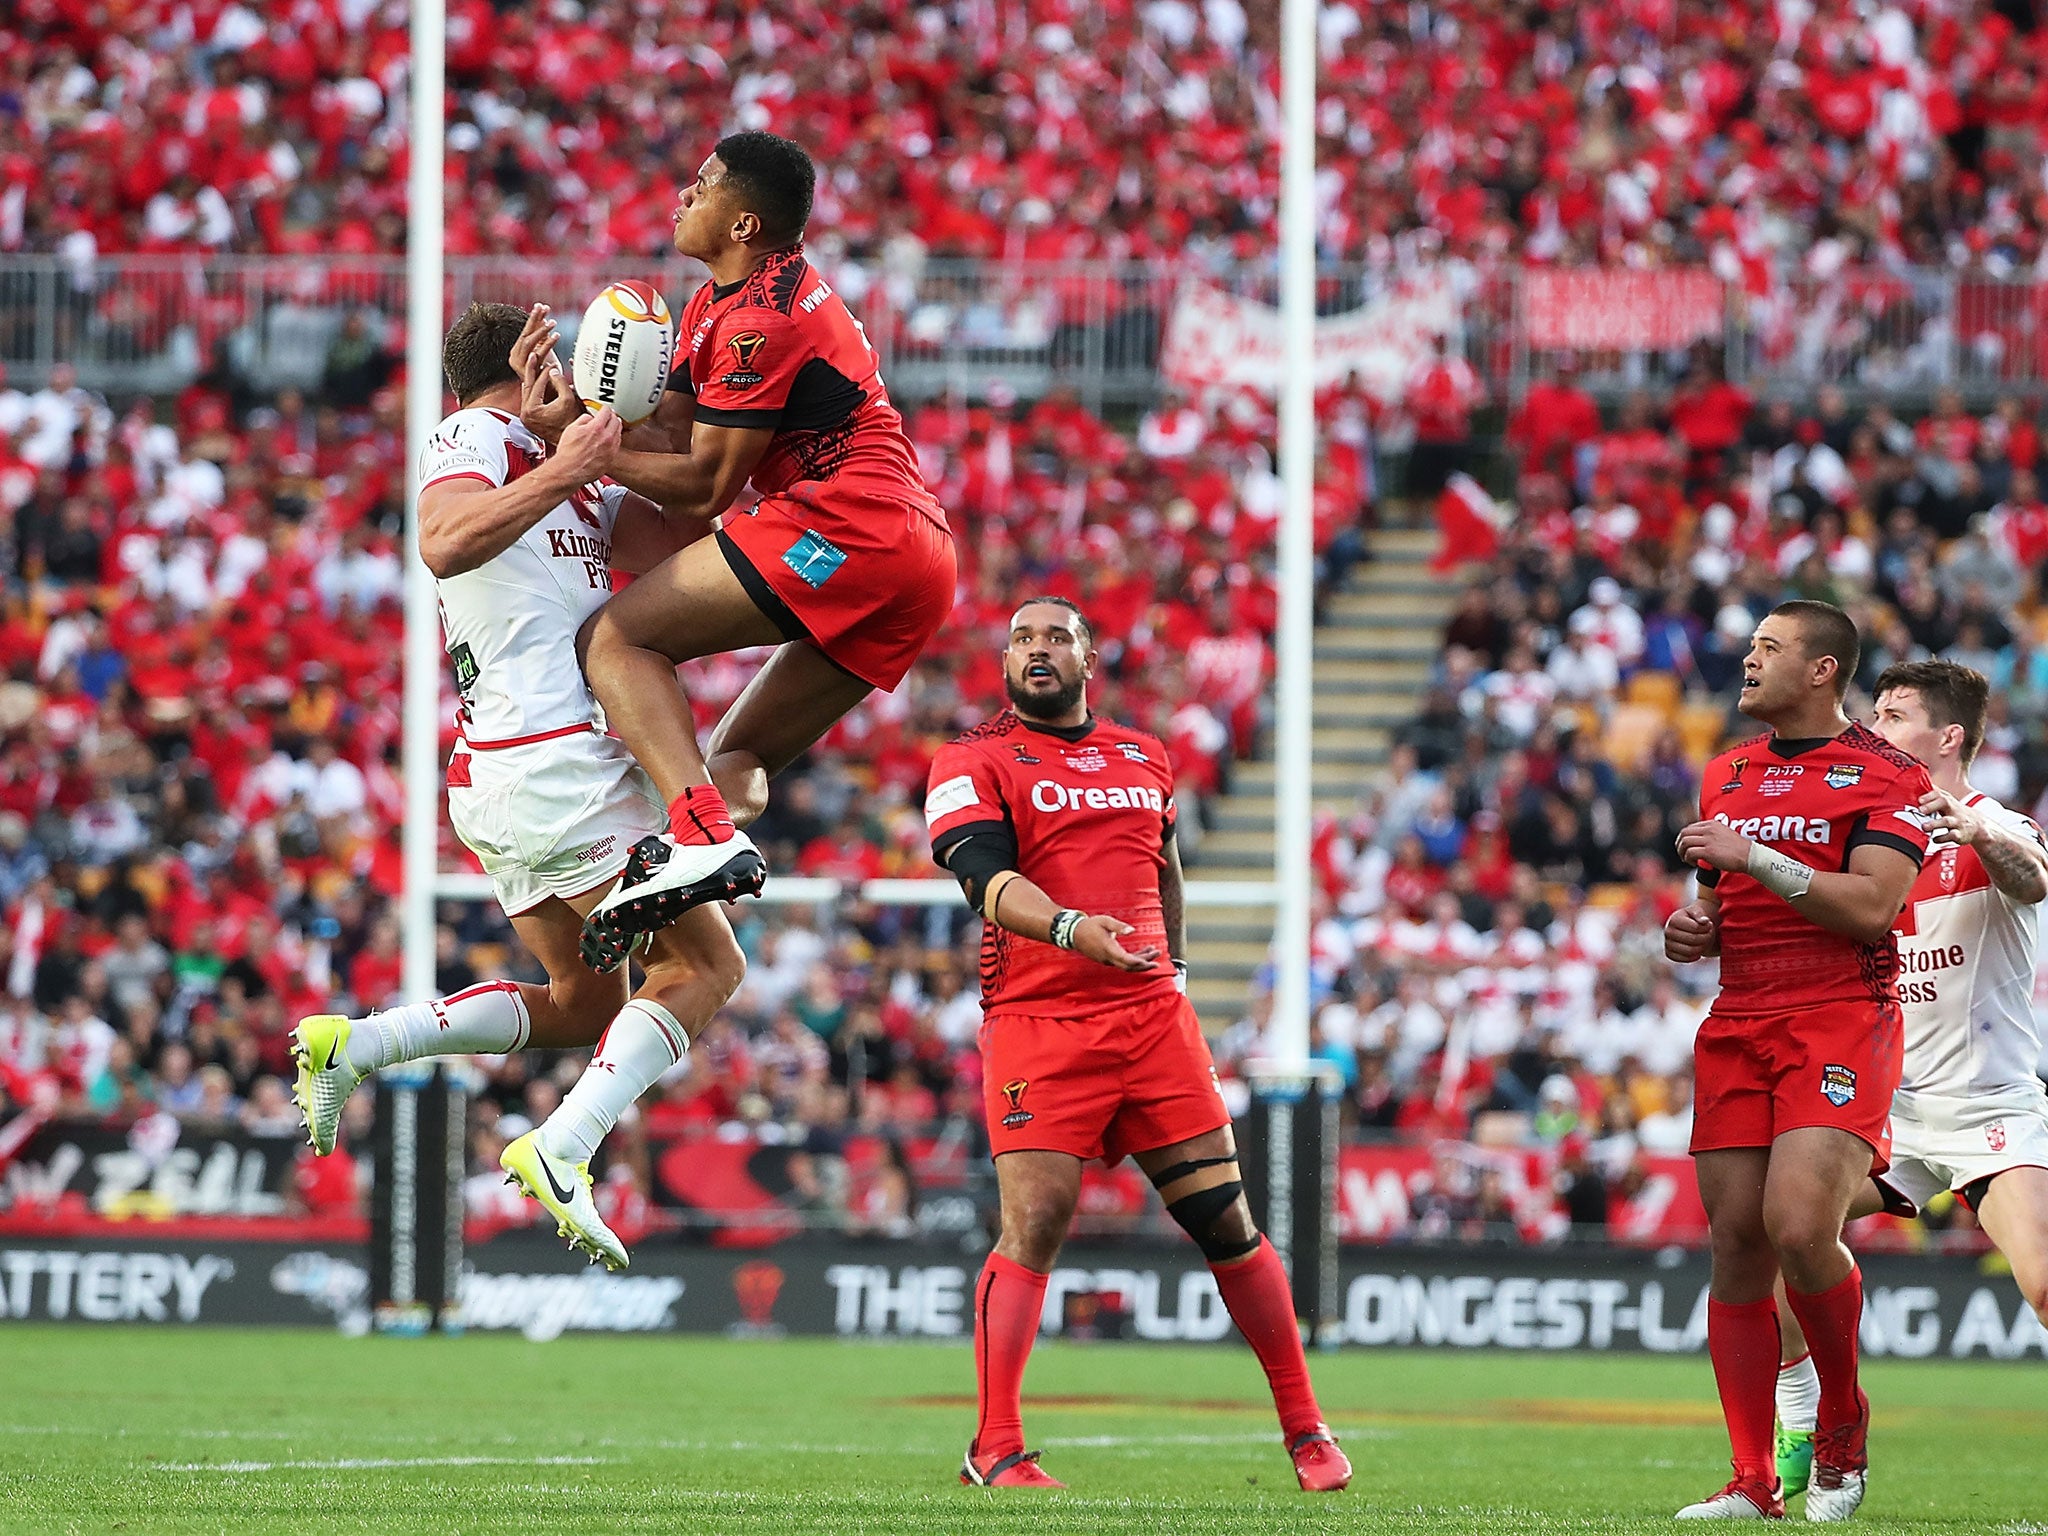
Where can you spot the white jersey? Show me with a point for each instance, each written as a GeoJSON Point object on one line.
{"type": "Point", "coordinates": [1967, 954]}
{"type": "Point", "coordinates": [510, 625]}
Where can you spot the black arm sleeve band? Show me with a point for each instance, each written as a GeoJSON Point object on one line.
{"type": "Point", "coordinates": [975, 854]}
{"type": "Point", "coordinates": [1865, 837]}
{"type": "Point", "coordinates": [1709, 878]}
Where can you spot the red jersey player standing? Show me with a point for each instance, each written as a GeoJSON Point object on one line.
{"type": "Point", "coordinates": [1808, 842]}
{"type": "Point", "coordinates": [845, 562]}
{"type": "Point", "coordinates": [1089, 1045]}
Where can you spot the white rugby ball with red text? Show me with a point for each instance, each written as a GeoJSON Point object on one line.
{"type": "Point", "coordinates": [624, 350]}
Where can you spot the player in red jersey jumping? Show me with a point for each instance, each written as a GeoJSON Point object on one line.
{"type": "Point", "coordinates": [845, 561]}
{"type": "Point", "coordinates": [1808, 841]}
{"type": "Point", "coordinates": [1059, 826]}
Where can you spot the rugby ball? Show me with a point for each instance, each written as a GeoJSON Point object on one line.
{"type": "Point", "coordinates": [624, 349]}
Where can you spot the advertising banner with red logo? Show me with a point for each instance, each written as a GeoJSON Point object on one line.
{"type": "Point", "coordinates": [1590, 309]}
{"type": "Point", "coordinates": [1388, 1194]}
{"type": "Point", "coordinates": [1215, 340]}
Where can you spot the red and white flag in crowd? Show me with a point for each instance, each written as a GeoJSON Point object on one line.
{"type": "Point", "coordinates": [1469, 524]}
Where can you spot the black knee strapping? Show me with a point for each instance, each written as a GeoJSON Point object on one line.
{"type": "Point", "coordinates": [1199, 1214]}
{"type": "Point", "coordinates": [1179, 1171]}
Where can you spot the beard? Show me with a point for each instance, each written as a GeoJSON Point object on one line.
{"type": "Point", "coordinates": [1044, 706]}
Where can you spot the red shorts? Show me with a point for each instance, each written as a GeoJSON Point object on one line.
{"type": "Point", "coordinates": [864, 572]}
{"type": "Point", "coordinates": [1104, 1085]}
{"type": "Point", "coordinates": [1757, 1076]}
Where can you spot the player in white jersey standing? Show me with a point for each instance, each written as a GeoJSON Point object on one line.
{"type": "Point", "coordinates": [522, 540]}
{"type": "Point", "coordinates": [1971, 1114]}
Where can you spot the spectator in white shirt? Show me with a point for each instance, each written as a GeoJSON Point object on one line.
{"type": "Point", "coordinates": [1606, 622]}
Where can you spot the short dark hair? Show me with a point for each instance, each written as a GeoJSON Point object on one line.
{"type": "Point", "coordinates": [1952, 694]}
{"type": "Point", "coordinates": [1087, 630]}
{"type": "Point", "coordinates": [478, 352]}
{"type": "Point", "coordinates": [1824, 630]}
{"type": "Point", "coordinates": [773, 177]}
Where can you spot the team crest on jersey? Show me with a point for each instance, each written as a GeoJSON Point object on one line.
{"type": "Point", "coordinates": [1994, 1135]}
{"type": "Point", "coordinates": [1843, 775]}
{"type": "Point", "coordinates": [743, 347]}
{"type": "Point", "coordinates": [1735, 776]}
{"type": "Point", "coordinates": [1948, 868]}
{"type": "Point", "coordinates": [1837, 1084]}
{"type": "Point", "coordinates": [1013, 1091]}
{"type": "Point", "coordinates": [1087, 760]}
{"type": "Point", "coordinates": [1024, 754]}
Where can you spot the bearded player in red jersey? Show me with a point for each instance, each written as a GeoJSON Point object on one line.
{"type": "Point", "coordinates": [845, 561]}
{"type": "Point", "coordinates": [1089, 1045]}
{"type": "Point", "coordinates": [1808, 842]}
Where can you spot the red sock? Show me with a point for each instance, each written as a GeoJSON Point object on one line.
{"type": "Point", "coordinates": [1008, 1302]}
{"type": "Point", "coordinates": [1261, 1303]}
{"type": "Point", "coordinates": [1830, 1320]}
{"type": "Point", "coordinates": [698, 815]}
{"type": "Point", "coordinates": [1743, 1339]}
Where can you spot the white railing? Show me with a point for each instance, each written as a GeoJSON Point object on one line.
{"type": "Point", "coordinates": [150, 324]}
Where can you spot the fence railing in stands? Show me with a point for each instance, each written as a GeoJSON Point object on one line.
{"type": "Point", "coordinates": [150, 324]}
{"type": "Point", "coordinates": [801, 890]}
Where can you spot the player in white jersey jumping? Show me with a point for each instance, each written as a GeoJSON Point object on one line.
{"type": "Point", "coordinates": [1971, 1114]}
{"type": "Point", "coordinates": [522, 541]}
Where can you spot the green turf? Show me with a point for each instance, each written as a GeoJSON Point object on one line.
{"type": "Point", "coordinates": [212, 1430]}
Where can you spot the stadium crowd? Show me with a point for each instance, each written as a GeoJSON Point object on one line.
{"type": "Point", "coordinates": [199, 794]}
{"type": "Point", "coordinates": [1754, 135]}
{"type": "Point", "coordinates": [198, 799]}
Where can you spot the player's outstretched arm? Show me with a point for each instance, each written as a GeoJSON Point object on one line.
{"type": "Point", "coordinates": [1005, 898]}
{"type": "Point", "coordinates": [1860, 902]}
{"type": "Point", "coordinates": [702, 482]}
{"type": "Point", "coordinates": [2015, 860]}
{"type": "Point", "coordinates": [645, 534]}
{"type": "Point", "coordinates": [464, 523]}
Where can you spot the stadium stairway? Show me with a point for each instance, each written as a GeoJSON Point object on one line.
{"type": "Point", "coordinates": [1373, 653]}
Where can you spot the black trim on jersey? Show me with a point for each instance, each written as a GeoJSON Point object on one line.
{"type": "Point", "coordinates": [1865, 837]}
{"type": "Point", "coordinates": [820, 398]}
{"type": "Point", "coordinates": [1796, 746]}
{"type": "Point", "coordinates": [1709, 878]}
{"type": "Point", "coordinates": [765, 597]}
{"type": "Point", "coordinates": [720, 292]}
{"type": "Point", "coordinates": [718, 416]}
{"type": "Point", "coordinates": [679, 380]}
{"type": "Point", "coordinates": [1079, 732]}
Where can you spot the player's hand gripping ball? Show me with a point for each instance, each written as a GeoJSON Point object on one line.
{"type": "Point", "coordinates": [624, 351]}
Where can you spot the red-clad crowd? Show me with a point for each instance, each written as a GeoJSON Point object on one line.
{"type": "Point", "coordinates": [1753, 135]}
{"type": "Point", "coordinates": [199, 732]}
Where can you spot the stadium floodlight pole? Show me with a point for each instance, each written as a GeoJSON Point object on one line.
{"type": "Point", "coordinates": [1294, 721]}
{"type": "Point", "coordinates": [423, 322]}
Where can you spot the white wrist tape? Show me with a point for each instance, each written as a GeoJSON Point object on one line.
{"type": "Point", "coordinates": [1778, 872]}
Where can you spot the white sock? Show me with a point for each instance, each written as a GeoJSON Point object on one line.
{"type": "Point", "coordinates": [644, 1041]}
{"type": "Point", "coordinates": [488, 1019]}
{"type": "Point", "coordinates": [1799, 1395]}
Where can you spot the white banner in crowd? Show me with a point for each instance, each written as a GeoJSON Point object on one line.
{"type": "Point", "coordinates": [1215, 340]}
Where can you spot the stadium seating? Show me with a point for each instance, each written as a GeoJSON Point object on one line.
{"type": "Point", "coordinates": [1751, 133]}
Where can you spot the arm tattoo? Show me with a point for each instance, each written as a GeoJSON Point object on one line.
{"type": "Point", "coordinates": [1173, 905]}
{"type": "Point", "coordinates": [2014, 869]}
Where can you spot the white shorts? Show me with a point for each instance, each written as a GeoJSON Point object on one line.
{"type": "Point", "coordinates": [1947, 1144]}
{"type": "Point", "coordinates": [554, 818]}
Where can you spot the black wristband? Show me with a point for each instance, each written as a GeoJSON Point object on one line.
{"type": "Point", "coordinates": [1064, 922]}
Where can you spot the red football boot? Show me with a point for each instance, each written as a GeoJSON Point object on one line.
{"type": "Point", "coordinates": [1019, 1469]}
{"type": "Point", "coordinates": [1319, 1466]}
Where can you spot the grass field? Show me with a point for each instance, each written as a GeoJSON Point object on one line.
{"type": "Point", "coordinates": [244, 1431]}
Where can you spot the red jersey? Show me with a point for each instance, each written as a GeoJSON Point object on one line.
{"type": "Point", "coordinates": [1816, 801]}
{"type": "Point", "coordinates": [1089, 812]}
{"type": "Point", "coordinates": [780, 350]}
